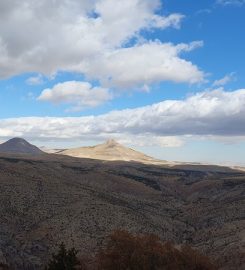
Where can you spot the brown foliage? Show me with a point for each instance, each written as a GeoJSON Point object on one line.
{"type": "Point", "coordinates": [125, 251]}
{"type": "Point", "coordinates": [4, 266]}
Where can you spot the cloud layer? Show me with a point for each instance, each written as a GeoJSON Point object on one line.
{"type": "Point", "coordinates": [100, 39]}
{"type": "Point", "coordinates": [211, 113]}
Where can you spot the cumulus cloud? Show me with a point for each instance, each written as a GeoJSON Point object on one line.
{"type": "Point", "coordinates": [84, 36]}
{"type": "Point", "coordinates": [80, 94]}
{"type": "Point", "coordinates": [226, 79]}
{"type": "Point", "coordinates": [210, 113]}
{"type": "Point", "coordinates": [145, 64]}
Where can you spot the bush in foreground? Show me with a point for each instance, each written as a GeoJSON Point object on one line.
{"type": "Point", "coordinates": [125, 251]}
{"type": "Point", "coordinates": [4, 266]}
{"type": "Point", "coordinates": [65, 259]}
{"type": "Point", "coordinates": [147, 252]}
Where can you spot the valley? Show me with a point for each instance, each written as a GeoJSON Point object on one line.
{"type": "Point", "coordinates": [48, 199]}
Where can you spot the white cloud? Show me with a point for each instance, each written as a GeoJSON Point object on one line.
{"type": "Point", "coordinates": [84, 36]}
{"type": "Point", "coordinates": [119, 21]}
{"type": "Point", "coordinates": [204, 11]}
{"type": "Point", "coordinates": [150, 140]}
{"type": "Point", "coordinates": [144, 64]}
{"type": "Point", "coordinates": [214, 113]}
{"type": "Point", "coordinates": [231, 2]}
{"type": "Point", "coordinates": [225, 80]}
{"type": "Point", "coordinates": [80, 94]}
{"type": "Point", "coordinates": [5, 132]}
{"type": "Point", "coordinates": [35, 80]}
{"type": "Point", "coordinates": [173, 20]}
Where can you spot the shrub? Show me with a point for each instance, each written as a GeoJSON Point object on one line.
{"type": "Point", "coordinates": [4, 266]}
{"type": "Point", "coordinates": [65, 259]}
{"type": "Point", "coordinates": [125, 251]}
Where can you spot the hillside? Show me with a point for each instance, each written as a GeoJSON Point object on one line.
{"type": "Point", "coordinates": [19, 146]}
{"type": "Point", "coordinates": [49, 199]}
{"type": "Point", "coordinates": [112, 151]}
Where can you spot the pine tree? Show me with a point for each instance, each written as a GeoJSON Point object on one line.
{"type": "Point", "coordinates": [65, 259]}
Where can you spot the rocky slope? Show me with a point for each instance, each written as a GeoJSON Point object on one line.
{"type": "Point", "coordinates": [111, 150]}
{"type": "Point", "coordinates": [48, 199]}
{"type": "Point", "coordinates": [19, 146]}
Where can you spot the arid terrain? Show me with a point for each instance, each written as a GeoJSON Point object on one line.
{"type": "Point", "coordinates": [48, 199]}
{"type": "Point", "coordinates": [111, 150]}
{"type": "Point", "coordinates": [122, 135]}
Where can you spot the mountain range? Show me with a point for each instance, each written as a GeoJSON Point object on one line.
{"type": "Point", "coordinates": [111, 150]}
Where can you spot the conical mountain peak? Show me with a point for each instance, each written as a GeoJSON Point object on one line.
{"type": "Point", "coordinates": [110, 150]}
{"type": "Point", "coordinates": [17, 141]}
{"type": "Point", "coordinates": [111, 143]}
{"type": "Point", "coordinates": [19, 146]}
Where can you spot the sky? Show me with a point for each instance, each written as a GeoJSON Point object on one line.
{"type": "Point", "coordinates": [164, 77]}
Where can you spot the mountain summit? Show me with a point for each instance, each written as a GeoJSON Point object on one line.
{"type": "Point", "coordinates": [112, 143]}
{"type": "Point", "coordinates": [19, 146]}
{"type": "Point", "coordinates": [111, 150]}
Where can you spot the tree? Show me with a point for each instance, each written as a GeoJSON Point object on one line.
{"type": "Point", "coordinates": [65, 259]}
{"type": "Point", "coordinates": [125, 251]}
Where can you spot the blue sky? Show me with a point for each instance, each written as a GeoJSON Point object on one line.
{"type": "Point", "coordinates": [165, 77]}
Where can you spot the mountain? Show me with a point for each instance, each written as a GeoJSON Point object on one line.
{"type": "Point", "coordinates": [111, 151]}
{"type": "Point", "coordinates": [19, 146]}
{"type": "Point", "coordinates": [114, 151]}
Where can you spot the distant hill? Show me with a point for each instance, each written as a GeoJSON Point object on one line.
{"type": "Point", "coordinates": [19, 146]}
{"type": "Point", "coordinates": [112, 151]}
